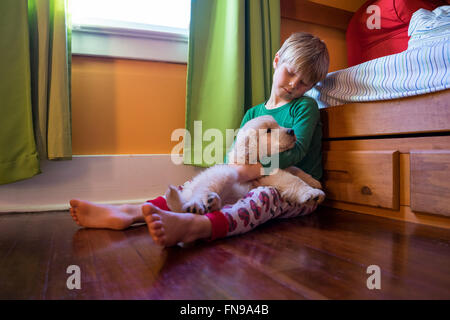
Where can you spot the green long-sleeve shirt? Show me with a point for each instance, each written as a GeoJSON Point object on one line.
{"type": "Point", "coordinates": [303, 116]}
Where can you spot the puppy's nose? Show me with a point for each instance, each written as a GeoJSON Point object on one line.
{"type": "Point", "coordinates": [290, 132]}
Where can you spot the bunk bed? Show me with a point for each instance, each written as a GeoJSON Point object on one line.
{"type": "Point", "coordinates": [386, 128]}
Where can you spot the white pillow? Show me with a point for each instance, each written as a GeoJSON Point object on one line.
{"type": "Point", "coordinates": [429, 27]}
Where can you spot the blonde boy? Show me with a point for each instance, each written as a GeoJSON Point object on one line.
{"type": "Point", "coordinates": [301, 62]}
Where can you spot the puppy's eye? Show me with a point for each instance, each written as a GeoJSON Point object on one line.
{"type": "Point", "coordinates": [269, 130]}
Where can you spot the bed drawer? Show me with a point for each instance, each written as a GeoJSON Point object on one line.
{"type": "Point", "coordinates": [397, 116]}
{"type": "Point", "coordinates": [430, 181]}
{"type": "Point", "coordinates": [362, 177]}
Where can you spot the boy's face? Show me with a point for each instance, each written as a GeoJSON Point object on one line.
{"type": "Point", "coordinates": [287, 84]}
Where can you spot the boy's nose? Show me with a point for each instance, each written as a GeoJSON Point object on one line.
{"type": "Point", "coordinates": [293, 84]}
{"type": "Point", "coordinates": [290, 132]}
{"type": "Point", "coordinates": [295, 81]}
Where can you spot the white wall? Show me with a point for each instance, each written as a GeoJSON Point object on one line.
{"type": "Point", "coordinates": [105, 179]}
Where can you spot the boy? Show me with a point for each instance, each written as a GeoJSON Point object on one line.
{"type": "Point", "coordinates": [301, 62]}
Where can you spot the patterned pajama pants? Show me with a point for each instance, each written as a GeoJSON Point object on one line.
{"type": "Point", "coordinates": [258, 206]}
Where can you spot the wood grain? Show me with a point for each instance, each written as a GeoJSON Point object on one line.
{"type": "Point", "coordinates": [430, 181]}
{"type": "Point", "coordinates": [403, 145]}
{"type": "Point", "coordinates": [363, 177]}
{"type": "Point", "coordinates": [418, 114]}
{"type": "Point", "coordinates": [311, 12]}
{"type": "Point", "coordinates": [403, 214]}
{"type": "Point", "coordinates": [433, 144]}
{"type": "Point", "coordinates": [321, 256]}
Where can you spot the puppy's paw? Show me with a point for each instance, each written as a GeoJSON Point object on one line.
{"type": "Point", "coordinates": [315, 184]}
{"type": "Point", "coordinates": [213, 202]}
{"type": "Point", "coordinates": [194, 206]}
{"type": "Point", "coordinates": [312, 195]}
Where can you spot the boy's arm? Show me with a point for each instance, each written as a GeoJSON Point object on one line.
{"type": "Point", "coordinates": [247, 172]}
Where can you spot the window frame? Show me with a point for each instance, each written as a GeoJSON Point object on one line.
{"type": "Point", "coordinates": [110, 38]}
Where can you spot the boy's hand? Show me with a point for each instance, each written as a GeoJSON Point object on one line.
{"type": "Point", "coordinates": [248, 172]}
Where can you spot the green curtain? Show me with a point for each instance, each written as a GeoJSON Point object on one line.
{"type": "Point", "coordinates": [232, 44]}
{"type": "Point", "coordinates": [35, 57]}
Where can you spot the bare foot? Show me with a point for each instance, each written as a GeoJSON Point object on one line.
{"type": "Point", "coordinates": [91, 215]}
{"type": "Point", "coordinates": [169, 228]}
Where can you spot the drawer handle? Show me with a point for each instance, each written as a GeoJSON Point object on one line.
{"type": "Point", "coordinates": [366, 190]}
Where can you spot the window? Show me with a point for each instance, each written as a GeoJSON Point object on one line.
{"type": "Point", "coordinates": [137, 29]}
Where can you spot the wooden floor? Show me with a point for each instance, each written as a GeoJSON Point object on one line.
{"type": "Point", "coordinates": [323, 256]}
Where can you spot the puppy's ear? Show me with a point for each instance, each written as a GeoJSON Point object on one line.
{"type": "Point", "coordinates": [239, 153]}
{"type": "Point", "coordinates": [247, 149]}
{"type": "Point", "coordinates": [242, 150]}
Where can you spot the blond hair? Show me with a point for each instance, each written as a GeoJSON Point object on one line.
{"type": "Point", "coordinates": [306, 54]}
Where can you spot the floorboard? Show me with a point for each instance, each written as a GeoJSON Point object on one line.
{"type": "Point", "coordinates": [322, 256]}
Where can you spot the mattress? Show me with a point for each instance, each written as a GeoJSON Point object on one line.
{"type": "Point", "coordinates": [422, 68]}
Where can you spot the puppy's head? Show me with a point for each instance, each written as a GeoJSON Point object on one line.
{"type": "Point", "coordinates": [260, 137]}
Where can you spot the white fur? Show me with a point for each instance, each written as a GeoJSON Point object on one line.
{"type": "Point", "coordinates": [218, 185]}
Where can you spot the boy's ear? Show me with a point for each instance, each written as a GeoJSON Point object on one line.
{"type": "Point", "coordinates": [276, 60]}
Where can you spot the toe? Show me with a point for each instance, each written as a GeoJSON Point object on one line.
{"type": "Point", "coordinates": [146, 211]}
{"type": "Point", "coordinates": [150, 219]}
{"type": "Point", "coordinates": [155, 225]}
{"type": "Point", "coordinates": [149, 210]}
{"type": "Point", "coordinates": [159, 240]}
{"type": "Point", "coordinates": [74, 203]}
{"type": "Point", "coordinates": [155, 217]}
{"type": "Point", "coordinates": [158, 233]}
{"type": "Point", "coordinates": [73, 215]}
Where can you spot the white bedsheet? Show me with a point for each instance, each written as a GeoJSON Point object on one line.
{"type": "Point", "coordinates": [423, 68]}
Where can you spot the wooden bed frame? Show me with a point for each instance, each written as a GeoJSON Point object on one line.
{"type": "Point", "coordinates": [390, 158]}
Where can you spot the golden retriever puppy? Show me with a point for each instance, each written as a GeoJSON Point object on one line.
{"type": "Point", "coordinates": [218, 185]}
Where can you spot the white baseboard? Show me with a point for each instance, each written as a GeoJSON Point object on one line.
{"type": "Point", "coordinates": [112, 179]}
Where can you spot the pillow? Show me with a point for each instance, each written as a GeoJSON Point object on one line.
{"type": "Point", "coordinates": [429, 27]}
{"type": "Point", "coordinates": [364, 44]}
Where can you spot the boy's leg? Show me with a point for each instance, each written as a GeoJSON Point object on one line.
{"type": "Point", "coordinates": [258, 206]}
{"type": "Point", "coordinates": [117, 217]}
{"type": "Point", "coordinates": [91, 215]}
{"type": "Point", "coordinates": [168, 228]}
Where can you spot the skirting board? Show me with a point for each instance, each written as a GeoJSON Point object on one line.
{"type": "Point", "coordinates": [107, 179]}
